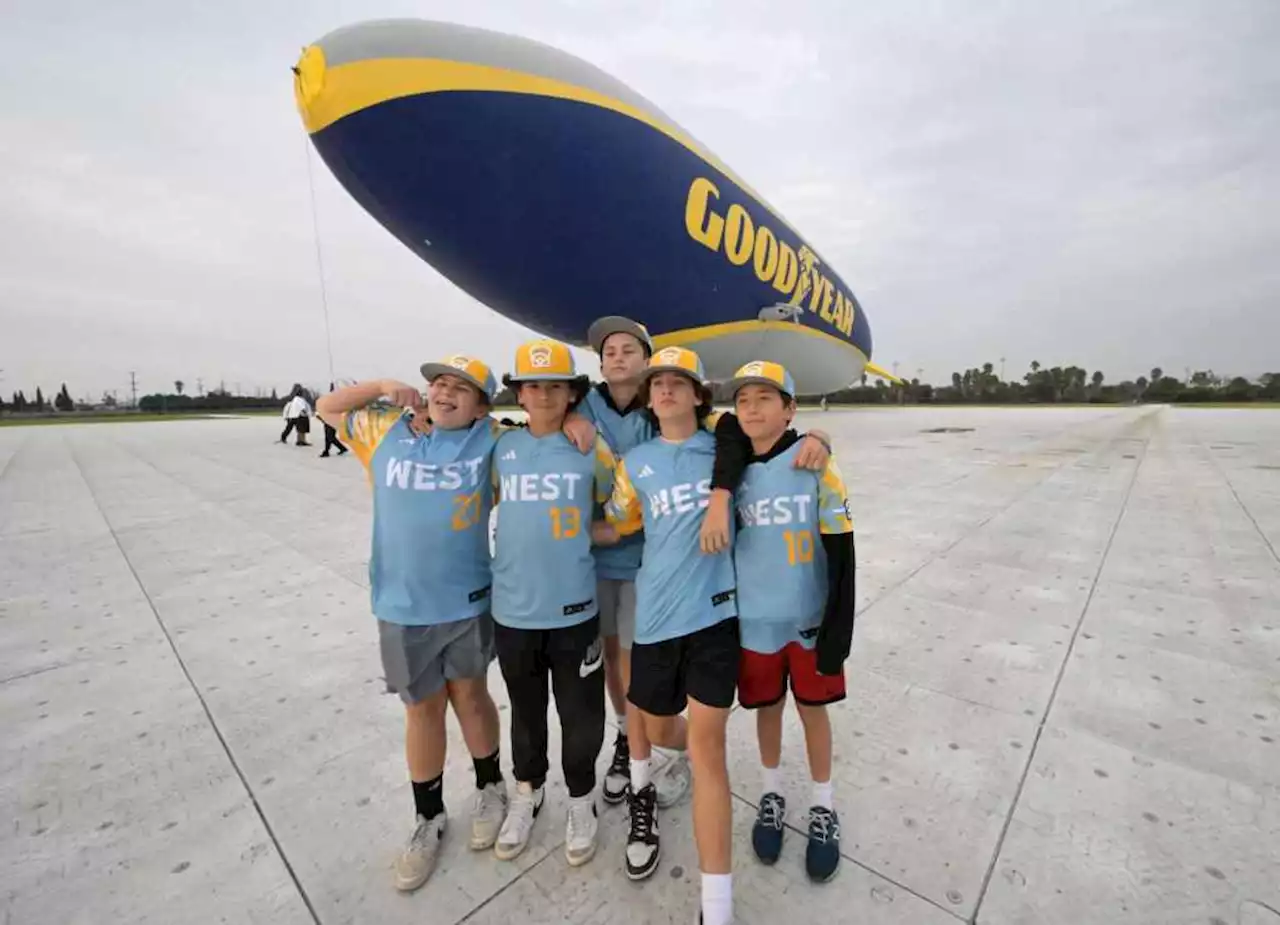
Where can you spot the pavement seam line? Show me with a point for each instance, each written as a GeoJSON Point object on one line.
{"type": "Point", "coordinates": [894, 588]}
{"type": "Point", "coordinates": [855, 862]}
{"type": "Point", "coordinates": [195, 688]}
{"type": "Point", "coordinates": [1208, 451]}
{"type": "Point", "coordinates": [1062, 670]}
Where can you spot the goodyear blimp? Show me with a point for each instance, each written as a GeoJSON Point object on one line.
{"type": "Point", "coordinates": [555, 194]}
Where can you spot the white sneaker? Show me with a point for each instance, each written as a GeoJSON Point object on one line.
{"type": "Point", "coordinates": [518, 826]}
{"type": "Point", "coordinates": [418, 858]}
{"type": "Point", "coordinates": [672, 780]}
{"type": "Point", "coordinates": [488, 811]}
{"type": "Point", "coordinates": [580, 831]}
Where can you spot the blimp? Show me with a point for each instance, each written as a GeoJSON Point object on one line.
{"type": "Point", "coordinates": [554, 194]}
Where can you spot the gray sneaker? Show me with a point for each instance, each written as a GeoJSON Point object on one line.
{"type": "Point", "coordinates": [672, 780]}
{"type": "Point", "coordinates": [418, 858]}
{"type": "Point", "coordinates": [488, 811]}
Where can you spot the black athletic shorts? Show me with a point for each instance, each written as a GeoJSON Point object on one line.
{"type": "Point", "coordinates": [702, 665]}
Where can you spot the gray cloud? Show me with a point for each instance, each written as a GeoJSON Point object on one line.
{"type": "Point", "coordinates": [1094, 183]}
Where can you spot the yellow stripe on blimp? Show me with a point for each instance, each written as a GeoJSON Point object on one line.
{"type": "Point", "coordinates": [883, 373]}
{"type": "Point", "coordinates": [728, 328]}
{"type": "Point", "coordinates": [324, 95]}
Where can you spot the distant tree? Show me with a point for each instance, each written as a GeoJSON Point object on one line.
{"type": "Point", "coordinates": [1240, 389]}
{"type": "Point", "coordinates": [63, 400]}
{"type": "Point", "coordinates": [1270, 387]}
{"type": "Point", "coordinates": [2, 408]}
{"type": "Point", "coordinates": [108, 400]}
{"type": "Point", "coordinates": [177, 386]}
{"type": "Point", "coordinates": [1156, 374]}
{"type": "Point", "coordinates": [39, 399]}
{"type": "Point", "coordinates": [273, 393]}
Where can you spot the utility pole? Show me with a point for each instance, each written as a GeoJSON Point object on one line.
{"type": "Point", "coordinates": [133, 386]}
{"type": "Point", "coordinates": [200, 387]}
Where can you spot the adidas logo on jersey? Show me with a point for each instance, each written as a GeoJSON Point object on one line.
{"type": "Point", "coordinates": [510, 454]}
{"type": "Point", "coordinates": [644, 472]}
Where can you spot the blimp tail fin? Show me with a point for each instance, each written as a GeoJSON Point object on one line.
{"type": "Point", "coordinates": [883, 373]}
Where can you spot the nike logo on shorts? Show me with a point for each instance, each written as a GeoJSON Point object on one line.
{"type": "Point", "coordinates": [592, 660]}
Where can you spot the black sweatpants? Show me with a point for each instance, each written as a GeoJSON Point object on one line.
{"type": "Point", "coordinates": [331, 439]}
{"type": "Point", "coordinates": [573, 658]}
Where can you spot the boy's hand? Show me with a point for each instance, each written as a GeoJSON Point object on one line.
{"type": "Point", "coordinates": [813, 453]}
{"type": "Point", "coordinates": [581, 432]}
{"type": "Point", "coordinates": [603, 533]}
{"type": "Point", "coordinates": [714, 535]}
{"type": "Point", "coordinates": [402, 394]}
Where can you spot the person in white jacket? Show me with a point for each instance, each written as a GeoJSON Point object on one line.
{"type": "Point", "coordinates": [297, 415]}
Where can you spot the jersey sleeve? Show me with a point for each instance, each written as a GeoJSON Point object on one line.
{"type": "Point", "coordinates": [363, 429]}
{"type": "Point", "coordinates": [606, 466]}
{"type": "Point", "coordinates": [623, 509]}
{"type": "Point", "coordinates": [833, 501]}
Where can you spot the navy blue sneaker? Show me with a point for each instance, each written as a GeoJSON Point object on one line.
{"type": "Point", "coordinates": [766, 835]}
{"type": "Point", "coordinates": [822, 857]}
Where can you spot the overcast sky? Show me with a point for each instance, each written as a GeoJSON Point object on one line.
{"type": "Point", "coordinates": [1094, 183]}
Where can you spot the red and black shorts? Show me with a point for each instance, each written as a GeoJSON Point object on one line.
{"type": "Point", "coordinates": [762, 678]}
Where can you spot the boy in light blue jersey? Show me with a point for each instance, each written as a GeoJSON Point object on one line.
{"type": "Point", "coordinates": [429, 575]}
{"type": "Point", "coordinates": [544, 597]}
{"type": "Point", "coordinates": [624, 347]}
{"type": "Point", "coordinates": [794, 558]}
{"type": "Point", "coordinates": [686, 648]}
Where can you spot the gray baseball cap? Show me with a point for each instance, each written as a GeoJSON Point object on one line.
{"type": "Point", "coordinates": [602, 328]}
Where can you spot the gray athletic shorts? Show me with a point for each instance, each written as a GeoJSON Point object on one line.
{"type": "Point", "coordinates": [417, 660]}
{"type": "Point", "coordinates": [617, 609]}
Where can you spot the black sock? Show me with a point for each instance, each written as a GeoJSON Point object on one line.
{"type": "Point", "coordinates": [487, 770]}
{"type": "Point", "coordinates": [428, 797]}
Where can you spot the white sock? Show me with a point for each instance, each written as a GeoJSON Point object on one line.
{"type": "Point", "coordinates": [771, 779]}
{"type": "Point", "coordinates": [622, 723]}
{"type": "Point", "coordinates": [717, 899]}
{"type": "Point", "coordinates": [639, 774]}
{"type": "Point", "coordinates": [822, 794]}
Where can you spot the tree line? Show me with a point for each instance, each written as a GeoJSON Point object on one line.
{"type": "Point", "coordinates": [978, 385]}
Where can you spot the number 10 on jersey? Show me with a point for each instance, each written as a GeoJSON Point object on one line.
{"type": "Point", "coordinates": [799, 546]}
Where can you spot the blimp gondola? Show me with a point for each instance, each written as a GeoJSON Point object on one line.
{"type": "Point", "coordinates": [554, 194]}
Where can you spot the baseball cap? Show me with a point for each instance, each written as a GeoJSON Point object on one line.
{"type": "Point", "coordinates": [762, 372]}
{"type": "Point", "coordinates": [676, 360]}
{"type": "Point", "coordinates": [602, 328]}
{"type": "Point", "coordinates": [544, 360]}
{"type": "Point", "coordinates": [464, 367]}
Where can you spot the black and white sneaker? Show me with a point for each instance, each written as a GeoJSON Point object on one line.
{"type": "Point", "coordinates": [618, 777]}
{"type": "Point", "coordinates": [643, 847]}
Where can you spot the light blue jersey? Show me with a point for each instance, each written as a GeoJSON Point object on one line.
{"type": "Point", "coordinates": [779, 557]}
{"type": "Point", "coordinates": [622, 432]}
{"type": "Point", "coordinates": [544, 575]}
{"type": "Point", "coordinates": [664, 488]}
{"type": "Point", "coordinates": [432, 493]}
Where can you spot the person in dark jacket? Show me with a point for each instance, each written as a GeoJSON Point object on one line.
{"type": "Point", "coordinates": [331, 435]}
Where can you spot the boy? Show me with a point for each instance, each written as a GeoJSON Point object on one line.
{"type": "Point", "coordinates": [613, 406]}
{"type": "Point", "coordinates": [795, 605]}
{"type": "Point", "coordinates": [429, 578]}
{"type": "Point", "coordinates": [544, 597]}
{"type": "Point", "coordinates": [686, 636]}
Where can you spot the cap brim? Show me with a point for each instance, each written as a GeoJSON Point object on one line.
{"type": "Point", "coordinates": [735, 384]}
{"type": "Point", "coordinates": [650, 371]}
{"type": "Point", "coordinates": [541, 377]}
{"type": "Point", "coordinates": [604, 328]}
{"type": "Point", "coordinates": [432, 370]}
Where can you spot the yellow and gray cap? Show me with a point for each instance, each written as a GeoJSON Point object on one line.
{"type": "Point", "coordinates": [602, 328]}
{"type": "Point", "coordinates": [763, 372]}
{"type": "Point", "coordinates": [676, 360]}
{"type": "Point", "coordinates": [467, 368]}
{"type": "Point", "coordinates": [547, 360]}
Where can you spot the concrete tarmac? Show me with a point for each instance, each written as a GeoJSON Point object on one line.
{"type": "Point", "coordinates": [1064, 694]}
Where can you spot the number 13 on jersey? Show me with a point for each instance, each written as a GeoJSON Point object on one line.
{"type": "Point", "coordinates": [566, 522]}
